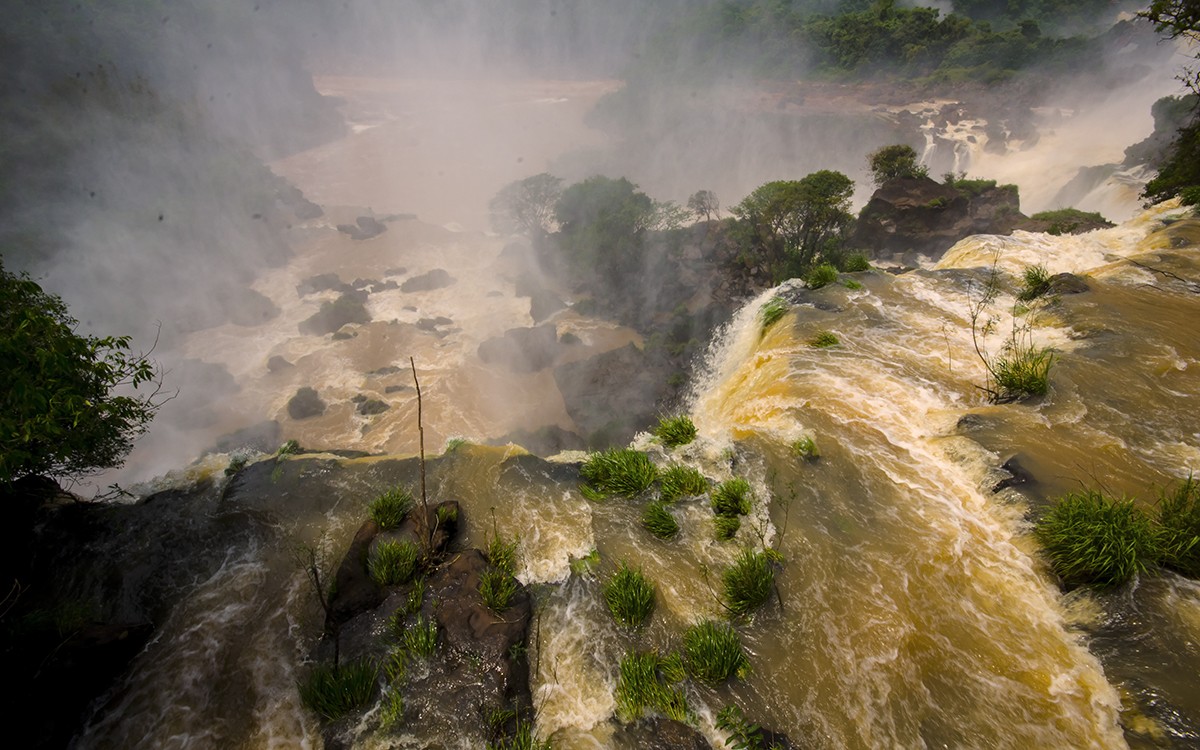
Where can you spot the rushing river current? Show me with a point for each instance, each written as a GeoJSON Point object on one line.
{"type": "Point", "coordinates": [913, 609]}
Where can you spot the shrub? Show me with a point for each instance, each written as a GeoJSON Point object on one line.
{"type": "Point", "coordinates": [855, 262]}
{"type": "Point", "coordinates": [629, 596]}
{"type": "Point", "coordinates": [806, 447]}
{"type": "Point", "coordinates": [823, 340]}
{"type": "Point", "coordinates": [453, 444]}
{"type": "Point", "coordinates": [1037, 283]}
{"type": "Point", "coordinates": [659, 521]}
{"type": "Point", "coordinates": [497, 588]}
{"type": "Point", "coordinates": [643, 681]}
{"type": "Point", "coordinates": [675, 431]}
{"type": "Point", "coordinates": [392, 563]}
{"type": "Point", "coordinates": [726, 527]}
{"type": "Point", "coordinates": [822, 275]}
{"type": "Point", "coordinates": [712, 653]}
{"type": "Point", "coordinates": [772, 311]}
{"type": "Point", "coordinates": [1179, 517]}
{"type": "Point", "coordinates": [731, 498]}
{"type": "Point", "coordinates": [421, 637]}
{"type": "Point", "coordinates": [747, 583]}
{"type": "Point", "coordinates": [743, 735]}
{"type": "Point", "coordinates": [332, 692]}
{"type": "Point", "coordinates": [619, 471]}
{"type": "Point", "coordinates": [681, 481]}
{"type": "Point", "coordinates": [1092, 539]}
{"type": "Point", "coordinates": [389, 509]}
{"type": "Point", "coordinates": [1023, 370]}
{"type": "Point", "coordinates": [1067, 220]}
{"type": "Point", "coordinates": [895, 161]}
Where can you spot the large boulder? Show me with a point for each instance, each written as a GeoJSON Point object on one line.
{"type": "Point", "coordinates": [306, 403]}
{"type": "Point", "coordinates": [427, 282]}
{"type": "Point", "coordinates": [350, 307]}
{"type": "Point", "coordinates": [522, 349]}
{"type": "Point", "coordinates": [613, 395]}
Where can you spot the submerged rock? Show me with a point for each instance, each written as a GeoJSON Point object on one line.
{"type": "Point", "coordinates": [628, 377]}
{"type": "Point", "coordinates": [346, 309]}
{"type": "Point", "coordinates": [364, 228]}
{"type": "Point", "coordinates": [426, 282]}
{"type": "Point", "coordinates": [278, 364]}
{"type": "Point", "coordinates": [306, 403]}
{"type": "Point", "coordinates": [522, 349]}
{"type": "Point", "coordinates": [372, 406]}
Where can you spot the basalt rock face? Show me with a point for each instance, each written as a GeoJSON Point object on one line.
{"type": "Point", "coordinates": [636, 380]}
{"type": "Point", "coordinates": [522, 349]}
{"type": "Point", "coordinates": [918, 216]}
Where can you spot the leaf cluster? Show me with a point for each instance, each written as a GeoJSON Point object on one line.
{"type": "Point", "coordinates": [334, 691]}
{"type": "Point", "coordinates": [629, 595]}
{"type": "Point", "coordinates": [649, 681]}
{"type": "Point", "coordinates": [675, 431]}
{"type": "Point", "coordinates": [712, 653]}
{"type": "Point", "coordinates": [748, 583]}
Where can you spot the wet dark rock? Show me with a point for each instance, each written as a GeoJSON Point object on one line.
{"type": "Point", "coordinates": [1067, 283]}
{"type": "Point", "coordinates": [543, 304]}
{"type": "Point", "coordinates": [495, 293]}
{"type": "Point", "coordinates": [1018, 475]}
{"type": "Point", "coordinates": [306, 403]}
{"type": "Point", "coordinates": [634, 380]}
{"type": "Point", "coordinates": [522, 349]}
{"type": "Point", "coordinates": [372, 406]}
{"type": "Point", "coordinates": [348, 308]}
{"type": "Point", "coordinates": [398, 271]}
{"type": "Point", "coordinates": [569, 339]}
{"type": "Point", "coordinates": [380, 286]}
{"type": "Point", "coordinates": [358, 398]}
{"type": "Point", "coordinates": [364, 228]}
{"type": "Point", "coordinates": [435, 279]}
{"type": "Point", "coordinates": [278, 364]}
{"type": "Point", "coordinates": [263, 437]}
{"type": "Point", "coordinates": [247, 307]}
{"type": "Point", "coordinates": [321, 283]}
{"type": "Point", "coordinates": [432, 324]}
{"type": "Point", "coordinates": [302, 208]}
{"type": "Point", "coordinates": [387, 370]}
{"type": "Point", "coordinates": [467, 622]}
{"type": "Point", "coordinates": [343, 336]}
{"type": "Point", "coordinates": [354, 590]}
{"type": "Point", "coordinates": [397, 388]}
{"type": "Point", "coordinates": [659, 733]}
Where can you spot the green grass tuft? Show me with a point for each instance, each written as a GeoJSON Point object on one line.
{"type": "Point", "coordinates": [1093, 539]}
{"type": "Point", "coordinates": [855, 262]}
{"type": "Point", "coordinates": [806, 448]}
{"type": "Point", "coordinates": [681, 481]}
{"type": "Point", "coordinates": [392, 713]}
{"type": "Point", "coordinates": [659, 521]}
{"type": "Point", "coordinates": [502, 554]}
{"type": "Point", "coordinates": [823, 340]}
{"type": "Point", "coordinates": [747, 584]}
{"type": "Point", "coordinates": [726, 527]}
{"type": "Point", "coordinates": [772, 311]}
{"type": "Point", "coordinates": [586, 565]}
{"type": "Point", "coordinates": [1179, 518]}
{"type": "Point", "coordinates": [629, 595]}
{"type": "Point", "coordinates": [1037, 283]}
{"type": "Point", "coordinates": [421, 638]}
{"type": "Point", "coordinates": [822, 275]}
{"type": "Point", "coordinates": [389, 509]}
{"type": "Point", "coordinates": [332, 692]}
{"type": "Point", "coordinates": [675, 431]}
{"type": "Point", "coordinates": [454, 443]}
{"type": "Point", "coordinates": [712, 653]}
{"type": "Point", "coordinates": [619, 471]}
{"type": "Point", "coordinates": [497, 587]}
{"type": "Point", "coordinates": [644, 682]}
{"type": "Point", "coordinates": [1022, 371]}
{"type": "Point", "coordinates": [731, 498]}
{"type": "Point", "coordinates": [446, 514]}
{"type": "Point", "coordinates": [392, 563]}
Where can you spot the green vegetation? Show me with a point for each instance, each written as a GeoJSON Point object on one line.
{"type": "Point", "coordinates": [332, 692]}
{"type": "Point", "coordinates": [712, 653]}
{"type": "Point", "coordinates": [742, 734]}
{"type": "Point", "coordinates": [973, 188]}
{"type": "Point", "coordinates": [521, 739]}
{"type": "Point", "coordinates": [602, 225]}
{"type": "Point", "coordinates": [392, 563]}
{"type": "Point", "coordinates": [586, 565]}
{"type": "Point", "coordinates": [421, 637]}
{"type": "Point", "coordinates": [806, 447]}
{"type": "Point", "coordinates": [854, 262]}
{"type": "Point", "coordinates": [454, 443]}
{"type": "Point", "coordinates": [675, 431]}
{"type": "Point", "coordinates": [629, 596]}
{"type": "Point", "coordinates": [1093, 539]}
{"type": "Point", "coordinates": [526, 206]}
{"type": "Point", "coordinates": [1022, 370]}
{"type": "Point", "coordinates": [1179, 517]}
{"type": "Point", "coordinates": [446, 514]}
{"type": "Point", "coordinates": [391, 715]}
{"type": "Point", "coordinates": [747, 583]}
{"type": "Point", "coordinates": [502, 554]}
{"type": "Point", "coordinates": [1037, 283]}
{"type": "Point", "coordinates": [644, 681]}
{"type": "Point", "coordinates": [823, 340]}
{"type": "Point", "coordinates": [731, 498]}
{"type": "Point", "coordinates": [60, 414]}
{"type": "Point", "coordinates": [895, 162]}
{"type": "Point", "coordinates": [772, 312]}
{"type": "Point", "coordinates": [497, 589]}
{"type": "Point", "coordinates": [725, 528]}
{"type": "Point", "coordinates": [681, 481]}
{"type": "Point", "coordinates": [1179, 170]}
{"type": "Point", "coordinates": [1067, 220]}
{"type": "Point", "coordinates": [389, 509]}
{"type": "Point", "coordinates": [658, 521]}
{"type": "Point", "coordinates": [822, 275]}
{"type": "Point", "coordinates": [618, 471]}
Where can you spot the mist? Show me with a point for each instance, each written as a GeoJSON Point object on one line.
{"type": "Point", "coordinates": [175, 170]}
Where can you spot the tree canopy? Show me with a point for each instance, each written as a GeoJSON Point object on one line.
{"type": "Point", "coordinates": [69, 403]}
{"type": "Point", "coordinates": [602, 223]}
{"type": "Point", "coordinates": [891, 162]}
{"type": "Point", "coordinates": [526, 206]}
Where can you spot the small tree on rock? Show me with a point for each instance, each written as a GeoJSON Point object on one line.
{"type": "Point", "coordinates": [704, 205]}
{"type": "Point", "coordinates": [526, 206]}
{"type": "Point", "coordinates": [891, 162]}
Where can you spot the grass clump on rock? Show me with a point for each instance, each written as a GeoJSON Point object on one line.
{"type": "Point", "coordinates": [725, 528]}
{"type": "Point", "coordinates": [712, 653]}
{"type": "Point", "coordinates": [421, 637]}
{"type": "Point", "coordinates": [747, 583]}
{"type": "Point", "coordinates": [675, 431]}
{"type": "Point", "coordinates": [771, 312]}
{"type": "Point", "coordinates": [618, 471]}
{"type": "Point", "coordinates": [658, 521]}
{"type": "Point", "coordinates": [392, 562]}
{"type": "Point", "coordinates": [332, 692]}
{"type": "Point", "coordinates": [731, 498]}
{"type": "Point", "coordinates": [629, 596]}
{"type": "Point", "coordinates": [1022, 371]}
{"type": "Point", "coordinates": [823, 340]}
{"type": "Point", "coordinates": [498, 584]}
{"type": "Point", "coordinates": [1092, 539]}
{"type": "Point", "coordinates": [1037, 283]}
{"type": "Point", "coordinates": [822, 275]}
{"type": "Point", "coordinates": [1179, 519]}
{"type": "Point", "coordinates": [681, 481]}
{"type": "Point", "coordinates": [389, 509]}
{"type": "Point", "coordinates": [644, 681]}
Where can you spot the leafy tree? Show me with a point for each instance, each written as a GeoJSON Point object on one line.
{"type": "Point", "coordinates": [704, 204]}
{"type": "Point", "coordinates": [602, 222]}
{"type": "Point", "coordinates": [60, 412]}
{"type": "Point", "coordinates": [791, 223]}
{"type": "Point", "coordinates": [891, 162]}
{"type": "Point", "coordinates": [1179, 174]}
{"type": "Point", "coordinates": [526, 206]}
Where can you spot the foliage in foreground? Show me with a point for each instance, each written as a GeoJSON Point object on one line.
{"type": "Point", "coordinates": [1022, 370]}
{"type": "Point", "coordinates": [497, 588]}
{"type": "Point", "coordinates": [681, 481]}
{"type": "Point", "coordinates": [822, 275]}
{"type": "Point", "coordinates": [646, 681]}
{"type": "Point", "coordinates": [658, 521]}
{"type": "Point", "coordinates": [618, 471]}
{"type": "Point", "coordinates": [712, 653]}
{"type": "Point", "coordinates": [731, 498]}
{"type": "Point", "coordinates": [59, 412]}
{"type": "Point", "coordinates": [771, 312]}
{"type": "Point", "coordinates": [1093, 539]}
{"type": "Point", "coordinates": [1179, 517]}
{"type": "Point", "coordinates": [389, 509]}
{"type": "Point", "coordinates": [725, 528]}
{"type": "Point", "coordinates": [1036, 283]}
{"type": "Point", "coordinates": [629, 596]}
{"type": "Point", "coordinates": [332, 692]}
{"type": "Point", "coordinates": [743, 735]}
{"type": "Point", "coordinates": [392, 562]}
{"type": "Point", "coordinates": [823, 340]}
{"type": "Point", "coordinates": [747, 583]}
{"type": "Point", "coordinates": [675, 431]}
